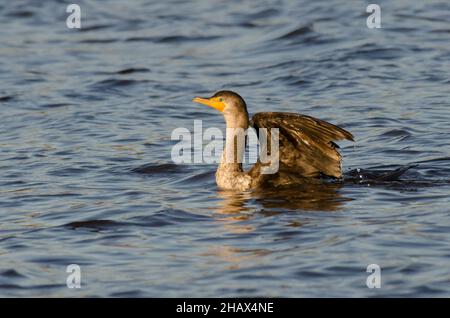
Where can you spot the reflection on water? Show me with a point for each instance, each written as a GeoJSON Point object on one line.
{"type": "Point", "coordinates": [314, 196]}
{"type": "Point", "coordinates": [235, 209]}
{"type": "Point", "coordinates": [233, 203]}
{"type": "Point", "coordinates": [321, 196]}
{"type": "Point", "coordinates": [232, 209]}
{"type": "Point", "coordinates": [234, 257]}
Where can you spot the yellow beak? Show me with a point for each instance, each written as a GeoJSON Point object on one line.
{"type": "Point", "coordinates": [211, 102]}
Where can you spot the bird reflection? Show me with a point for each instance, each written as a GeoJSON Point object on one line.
{"type": "Point", "coordinates": [235, 257]}
{"type": "Point", "coordinates": [235, 210]}
{"type": "Point", "coordinates": [319, 196]}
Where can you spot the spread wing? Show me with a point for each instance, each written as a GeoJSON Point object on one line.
{"type": "Point", "coordinates": [305, 143]}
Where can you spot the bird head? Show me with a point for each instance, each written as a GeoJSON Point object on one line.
{"type": "Point", "coordinates": [231, 104]}
{"type": "Point", "coordinates": [224, 101]}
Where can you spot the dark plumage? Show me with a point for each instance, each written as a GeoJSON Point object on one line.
{"type": "Point", "coordinates": [306, 145]}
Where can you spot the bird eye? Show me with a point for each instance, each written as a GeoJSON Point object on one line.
{"type": "Point", "coordinates": [220, 99]}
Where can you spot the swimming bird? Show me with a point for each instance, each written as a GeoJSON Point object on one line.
{"type": "Point", "coordinates": [306, 150]}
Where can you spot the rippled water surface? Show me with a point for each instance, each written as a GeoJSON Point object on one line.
{"type": "Point", "coordinates": [86, 176]}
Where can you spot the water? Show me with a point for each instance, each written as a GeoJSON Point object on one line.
{"type": "Point", "coordinates": [86, 176]}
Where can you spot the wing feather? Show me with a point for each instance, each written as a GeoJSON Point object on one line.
{"type": "Point", "coordinates": [306, 143]}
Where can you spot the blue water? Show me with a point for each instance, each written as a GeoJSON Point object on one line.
{"type": "Point", "coordinates": [86, 176]}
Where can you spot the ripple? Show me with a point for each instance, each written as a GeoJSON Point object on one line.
{"type": "Point", "coordinates": [68, 172]}
{"type": "Point", "coordinates": [399, 134]}
{"type": "Point", "coordinates": [372, 175]}
{"type": "Point", "coordinates": [6, 98]}
{"type": "Point", "coordinates": [97, 225]}
{"type": "Point", "coordinates": [172, 39]}
{"type": "Point", "coordinates": [11, 273]}
{"type": "Point", "coordinates": [168, 217]}
{"type": "Point", "coordinates": [133, 70]}
{"type": "Point", "coordinates": [113, 82]}
{"type": "Point", "coordinates": [99, 41]}
{"type": "Point", "coordinates": [56, 105]}
{"type": "Point", "coordinates": [20, 14]}
{"type": "Point", "coordinates": [300, 31]}
{"type": "Point", "coordinates": [373, 52]}
{"type": "Point", "coordinates": [95, 27]}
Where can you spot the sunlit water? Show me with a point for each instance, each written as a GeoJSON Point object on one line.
{"type": "Point", "coordinates": [86, 175]}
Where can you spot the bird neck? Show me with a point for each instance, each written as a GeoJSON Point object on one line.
{"type": "Point", "coordinates": [236, 120]}
{"type": "Point", "coordinates": [233, 153]}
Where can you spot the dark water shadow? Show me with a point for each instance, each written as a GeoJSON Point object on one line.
{"type": "Point", "coordinates": [317, 195]}
{"type": "Point", "coordinates": [321, 196]}
{"type": "Point", "coordinates": [407, 177]}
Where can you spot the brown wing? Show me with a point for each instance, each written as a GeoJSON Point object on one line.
{"type": "Point", "coordinates": [306, 143]}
